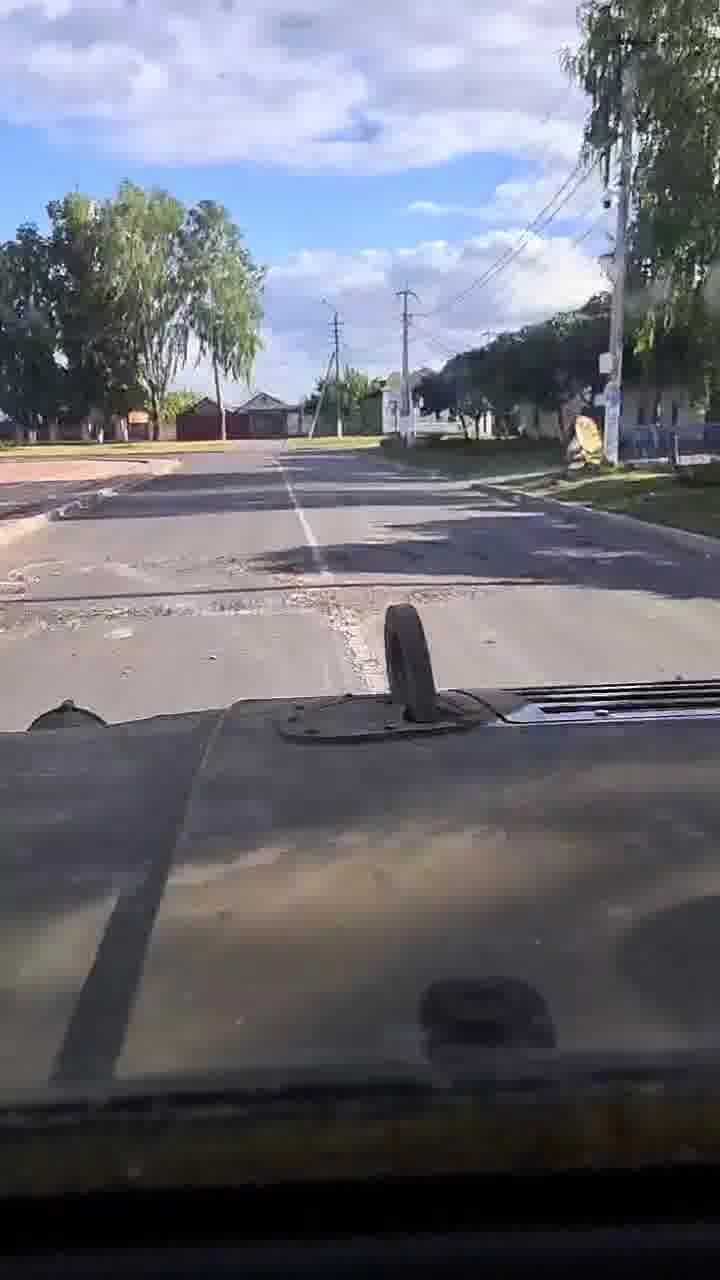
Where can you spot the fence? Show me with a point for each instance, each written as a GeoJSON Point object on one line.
{"type": "Point", "coordinates": [661, 444]}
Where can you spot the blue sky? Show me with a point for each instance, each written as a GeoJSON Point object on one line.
{"type": "Point", "coordinates": [349, 170]}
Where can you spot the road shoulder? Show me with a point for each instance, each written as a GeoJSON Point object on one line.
{"type": "Point", "coordinates": [59, 488]}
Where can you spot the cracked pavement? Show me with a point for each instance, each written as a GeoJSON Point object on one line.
{"type": "Point", "coordinates": [265, 572]}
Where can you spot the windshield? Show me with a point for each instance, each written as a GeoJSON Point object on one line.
{"type": "Point", "coordinates": [306, 312]}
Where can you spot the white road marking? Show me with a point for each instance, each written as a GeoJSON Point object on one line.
{"type": "Point", "coordinates": [317, 555]}
{"type": "Point", "coordinates": [364, 662]}
{"type": "Point", "coordinates": [367, 666]}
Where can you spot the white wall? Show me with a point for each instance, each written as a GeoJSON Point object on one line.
{"type": "Point", "coordinates": [390, 411]}
{"type": "Point", "coordinates": [295, 424]}
{"type": "Point", "coordinates": [541, 424]}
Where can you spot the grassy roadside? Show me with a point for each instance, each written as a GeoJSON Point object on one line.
{"type": "Point", "coordinates": [332, 442]}
{"type": "Point", "coordinates": [689, 502]}
{"type": "Point", "coordinates": [479, 459]}
{"type": "Point", "coordinates": [137, 449]}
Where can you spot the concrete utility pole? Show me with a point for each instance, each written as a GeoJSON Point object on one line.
{"type": "Point", "coordinates": [321, 399]}
{"type": "Point", "coordinates": [406, 294]}
{"type": "Point", "coordinates": [335, 359]}
{"type": "Point", "coordinates": [338, 411]}
{"type": "Point", "coordinates": [613, 387]}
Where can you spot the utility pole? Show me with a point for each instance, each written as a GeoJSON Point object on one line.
{"type": "Point", "coordinates": [406, 294]}
{"type": "Point", "coordinates": [613, 387]}
{"type": "Point", "coordinates": [321, 398]}
{"type": "Point", "coordinates": [335, 359]}
{"type": "Point", "coordinates": [338, 411]}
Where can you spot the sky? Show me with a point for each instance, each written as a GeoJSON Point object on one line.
{"type": "Point", "coordinates": [360, 148]}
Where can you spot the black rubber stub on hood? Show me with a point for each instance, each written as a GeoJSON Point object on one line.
{"type": "Point", "coordinates": [68, 716]}
{"type": "Point", "coordinates": [485, 1013]}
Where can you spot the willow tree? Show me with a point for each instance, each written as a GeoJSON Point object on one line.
{"type": "Point", "coordinates": [670, 50]}
{"type": "Point", "coordinates": [224, 297]}
{"type": "Point", "coordinates": [144, 256]}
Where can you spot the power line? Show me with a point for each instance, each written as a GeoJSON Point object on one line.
{"type": "Point", "coordinates": [539, 222]}
{"type": "Point", "coordinates": [589, 230]}
{"type": "Point", "coordinates": [437, 342]}
{"type": "Point", "coordinates": [434, 341]}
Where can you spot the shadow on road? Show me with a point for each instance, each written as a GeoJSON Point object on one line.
{"type": "Point", "coordinates": [460, 533]}
{"type": "Point", "coordinates": [486, 540]}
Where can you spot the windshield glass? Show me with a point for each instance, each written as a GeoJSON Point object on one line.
{"type": "Point", "coordinates": [307, 312]}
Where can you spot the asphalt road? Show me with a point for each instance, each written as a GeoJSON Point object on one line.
{"type": "Point", "coordinates": [264, 573]}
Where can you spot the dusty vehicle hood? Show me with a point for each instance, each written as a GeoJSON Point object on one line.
{"type": "Point", "coordinates": [279, 905]}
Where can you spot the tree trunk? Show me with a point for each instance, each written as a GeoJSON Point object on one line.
{"type": "Point", "coordinates": [464, 426]}
{"type": "Point", "coordinates": [712, 385]}
{"type": "Point", "coordinates": [154, 431]}
{"type": "Point", "coordinates": [477, 426]}
{"type": "Point", "coordinates": [19, 434]}
{"type": "Point", "coordinates": [53, 431]}
{"type": "Point", "coordinates": [220, 401]}
{"type": "Point", "coordinates": [32, 435]}
{"type": "Point", "coordinates": [85, 430]}
{"type": "Point", "coordinates": [121, 430]}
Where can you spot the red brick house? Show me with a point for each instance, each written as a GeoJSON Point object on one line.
{"type": "Point", "coordinates": [262, 417]}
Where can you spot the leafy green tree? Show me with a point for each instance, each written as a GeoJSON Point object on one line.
{"type": "Point", "coordinates": [143, 243]}
{"type": "Point", "coordinates": [671, 50]}
{"type": "Point", "coordinates": [224, 308]}
{"type": "Point", "coordinates": [175, 403]}
{"type": "Point", "coordinates": [33, 379]}
{"type": "Point", "coordinates": [354, 388]}
{"type": "Point", "coordinates": [436, 391]}
{"type": "Point", "coordinates": [98, 354]}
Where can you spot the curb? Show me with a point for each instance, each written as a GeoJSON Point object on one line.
{"type": "Point", "coordinates": [15, 527]}
{"type": "Point", "coordinates": [701, 542]}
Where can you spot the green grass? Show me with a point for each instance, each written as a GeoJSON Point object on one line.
{"type": "Point", "coordinates": [113, 449]}
{"type": "Point", "coordinates": [478, 459]}
{"type": "Point", "coordinates": [689, 502]}
{"type": "Point", "coordinates": [332, 442]}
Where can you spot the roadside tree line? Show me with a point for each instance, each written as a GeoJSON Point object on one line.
{"type": "Point", "coordinates": [546, 365]}
{"type": "Point", "coordinates": [101, 311]}
{"type": "Point", "coordinates": [668, 53]}
{"type": "Point", "coordinates": [352, 394]}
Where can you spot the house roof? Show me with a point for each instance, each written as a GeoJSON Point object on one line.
{"type": "Point", "coordinates": [199, 404]}
{"type": "Point", "coordinates": [257, 403]}
{"type": "Point", "coordinates": [261, 400]}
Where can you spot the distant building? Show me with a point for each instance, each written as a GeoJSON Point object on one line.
{"type": "Point", "coordinates": [138, 421]}
{"type": "Point", "coordinates": [262, 417]}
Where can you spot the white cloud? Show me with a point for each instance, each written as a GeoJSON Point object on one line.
{"type": "Point", "coordinates": [311, 84]}
{"type": "Point", "coordinates": [550, 274]}
{"type": "Point", "coordinates": [522, 199]}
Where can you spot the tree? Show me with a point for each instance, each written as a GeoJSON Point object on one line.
{"type": "Point", "coordinates": [33, 380]}
{"type": "Point", "coordinates": [545, 364]}
{"type": "Point", "coordinates": [224, 308]}
{"type": "Point", "coordinates": [143, 245]}
{"type": "Point", "coordinates": [98, 354]}
{"type": "Point", "coordinates": [672, 50]}
{"type": "Point", "coordinates": [354, 388]}
{"type": "Point", "coordinates": [175, 403]}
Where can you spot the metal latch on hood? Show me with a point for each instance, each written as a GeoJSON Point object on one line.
{"type": "Point", "coordinates": [413, 707]}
